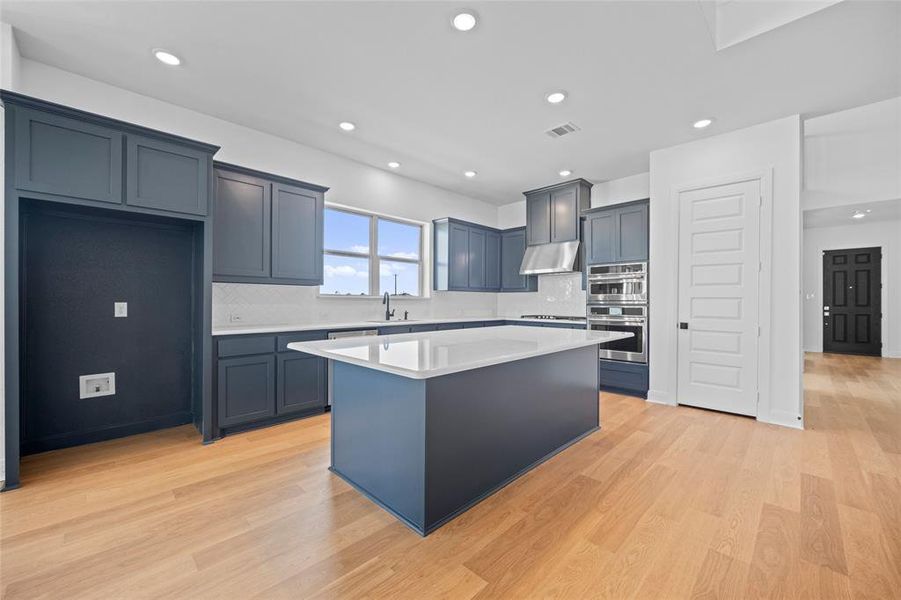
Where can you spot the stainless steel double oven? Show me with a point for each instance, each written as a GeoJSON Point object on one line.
{"type": "Point", "coordinates": [618, 301]}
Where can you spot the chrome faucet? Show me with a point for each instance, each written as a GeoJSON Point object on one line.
{"type": "Point", "coordinates": [386, 300]}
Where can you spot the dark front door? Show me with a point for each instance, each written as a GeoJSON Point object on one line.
{"type": "Point", "coordinates": [852, 301]}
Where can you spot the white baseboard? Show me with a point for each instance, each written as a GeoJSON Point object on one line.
{"type": "Point", "coordinates": [891, 354]}
{"type": "Point", "coordinates": [784, 419]}
{"type": "Point", "coordinates": [658, 397]}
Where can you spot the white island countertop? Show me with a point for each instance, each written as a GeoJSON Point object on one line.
{"type": "Point", "coordinates": [435, 353]}
{"type": "Point", "coordinates": [374, 324]}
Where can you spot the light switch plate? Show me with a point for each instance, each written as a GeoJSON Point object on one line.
{"type": "Point", "coordinates": [98, 384]}
{"type": "Point", "coordinates": [120, 309]}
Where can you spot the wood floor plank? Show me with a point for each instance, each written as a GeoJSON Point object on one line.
{"type": "Point", "coordinates": [662, 502]}
{"type": "Point", "coordinates": [821, 532]}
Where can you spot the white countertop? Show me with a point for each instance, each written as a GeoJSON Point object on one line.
{"type": "Point", "coordinates": [245, 329]}
{"type": "Point", "coordinates": [434, 353]}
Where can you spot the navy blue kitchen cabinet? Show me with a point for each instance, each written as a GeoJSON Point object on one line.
{"type": "Point", "coordinates": [67, 156]}
{"type": "Point", "coordinates": [301, 384]}
{"type": "Point", "coordinates": [617, 233]}
{"type": "Point", "coordinates": [513, 247]}
{"type": "Point", "coordinates": [475, 258]}
{"type": "Point", "coordinates": [624, 377]}
{"type": "Point", "coordinates": [493, 260]}
{"type": "Point", "coordinates": [260, 382]}
{"type": "Point", "coordinates": [553, 212]}
{"type": "Point", "coordinates": [267, 229]}
{"type": "Point", "coordinates": [165, 176]}
{"type": "Point", "coordinates": [241, 215]}
{"type": "Point", "coordinates": [246, 389]}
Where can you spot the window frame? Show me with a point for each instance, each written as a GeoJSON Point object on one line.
{"type": "Point", "coordinates": [373, 257]}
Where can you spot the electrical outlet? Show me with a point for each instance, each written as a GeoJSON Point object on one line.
{"type": "Point", "coordinates": [98, 384]}
{"type": "Point", "coordinates": [120, 309]}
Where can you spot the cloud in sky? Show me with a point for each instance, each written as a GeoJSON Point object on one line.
{"type": "Point", "coordinates": [344, 271]}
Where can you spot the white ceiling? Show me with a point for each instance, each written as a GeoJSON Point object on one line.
{"type": "Point", "coordinates": [886, 210]}
{"type": "Point", "coordinates": [441, 102]}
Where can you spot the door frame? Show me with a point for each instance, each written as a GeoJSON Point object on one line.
{"type": "Point", "coordinates": [882, 290]}
{"type": "Point", "coordinates": [764, 284]}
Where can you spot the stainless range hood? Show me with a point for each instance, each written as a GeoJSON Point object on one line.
{"type": "Point", "coordinates": [556, 257]}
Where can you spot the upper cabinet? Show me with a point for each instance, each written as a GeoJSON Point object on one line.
{"type": "Point", "coordinates": [617, 233]}
{"type": "Point", "coordinates": [513, 247]}
{"type": "Point", "coordinates": [166, 176]}
{"type": "Point", "coordinates": [67, 155]}
{"type": "Point", "coordinates": [266, 229]}
{"type": "Point", "coordinates": [475, 258]}
{"type": "Point", "coordinates": [552, 213]}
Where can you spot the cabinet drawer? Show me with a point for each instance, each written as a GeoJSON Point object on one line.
{"type": "Point", "coordinates": [472, 325]}
{"type": "Point", "coordinates": [625, 376]}
{"type": "Point", "coordinates": [243, 346]}
{"type": "Point", "coordinates": [446, 326]}
{"type": "Point", "coordinates": [395, 329]}
{"type": "Point", "coordinates": [300, 336]}
{"type": "Point", "coordinates": [166, 176]}
{"type": "Point", "coordinates": [423, 328]}
{"type": "Point", "coordinates": [246, 389]}
{"type": "Point", "coordinates": [56, 155]}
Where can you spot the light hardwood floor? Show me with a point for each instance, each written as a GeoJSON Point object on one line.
{"type": "Point", "coordinates": [662, 503]}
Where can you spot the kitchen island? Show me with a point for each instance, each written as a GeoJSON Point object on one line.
{"type": "Point", "coordinates": [429, 424]}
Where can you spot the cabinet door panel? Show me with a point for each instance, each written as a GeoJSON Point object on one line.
{"type": "Point", "coordinates": [459, 257]}
{"type": "Point", "coordinates": [513, 247]}
{"type": "Point", "coordinates": [56, 155]}
{"type": "Point", "coordinates": [246, 389]}
{"type": "Point", "coordinates": [241, 226]}
{"type": "Point", "coordinates": [538, 218]}
{"type": "Point", "coordinates": [301, 382]}
{"type": "Point", "coordinates": [632, 233]}
{"type": "Point", "coordinates": [492, 260]}
{"type": "Point", "coordinates": [601, 242]}
{"type": "Point", "coordinates": [564, 215]}
{"type": "Point", "coordinates": [476, 259]}
{"type": "Point", "coordinates": [166, 176]}
{"type": "Point", "coordinates": [297, 222]}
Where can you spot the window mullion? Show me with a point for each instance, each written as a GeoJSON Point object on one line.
{"type": "Point", "coordinates": [373, 256]}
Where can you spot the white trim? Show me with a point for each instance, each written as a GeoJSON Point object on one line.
{"type": "Point", "coordinates": [764, 290]}
{"type": "Point", "coordinates": [657, 397]}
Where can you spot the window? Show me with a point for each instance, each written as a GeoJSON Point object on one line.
{"type": "Point", "coordinates": [368, 255]}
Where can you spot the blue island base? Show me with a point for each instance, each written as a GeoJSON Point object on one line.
{"type": "Point", "coordinates": [427, 450]}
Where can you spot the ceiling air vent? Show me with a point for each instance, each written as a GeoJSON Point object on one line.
{"type": "Point", "coordinates": [561, 130]}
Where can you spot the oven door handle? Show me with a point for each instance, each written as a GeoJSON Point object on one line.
{"type": "Point", "coordinates": [636, 321]}
{"type": "Point", "coordinates": [615, 279]}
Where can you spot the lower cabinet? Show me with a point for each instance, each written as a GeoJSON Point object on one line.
{"type": "Point", "coordinates": [624, 377]}
{"type": "Point", "coordinates": [246, 389]}
{"type": "Point", "coordinates": [301, 383]}
{"type": "Point", "coordinates": [260, 381]}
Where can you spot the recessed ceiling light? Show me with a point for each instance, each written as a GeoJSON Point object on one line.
{"type": "Point", "coordinates": [858, 215]}
{"type": "Point", "coordinates": [470, 174]}
{"type": "Point", "coordinates": [464, 20]}
{"type": "Point", "coordinates": [166, 57]}
{"type": "Point", "coordinates": [347, 126]}
{"type": "Point", "coordinates": [702, 123]}
{"type": "Point", "coordinates": [556, 97]}
{"type": "Point", "coordinates": [394, 164]}
{"type": "Point", "coordinates": [565, 173]}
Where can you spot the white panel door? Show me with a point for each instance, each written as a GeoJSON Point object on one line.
{"type": "Point", "coordinates": [719, 263]}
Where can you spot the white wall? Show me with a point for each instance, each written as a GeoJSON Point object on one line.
{"type": "Point", "coordinates": [9, 80]}
{"type": "Point", "coordinates": [775, 145]}
{"type": "Point", "coordinates": [853, 156]}
{"type": "Point", "coordinates": [625, 189]}
{"type": "Point", "coordinates": [886, 234]}
{"type": "Point", "coordinates": [351, 184]}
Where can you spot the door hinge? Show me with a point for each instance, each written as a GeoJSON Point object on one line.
{"type": "Point", "coordinates": [759, 330]}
